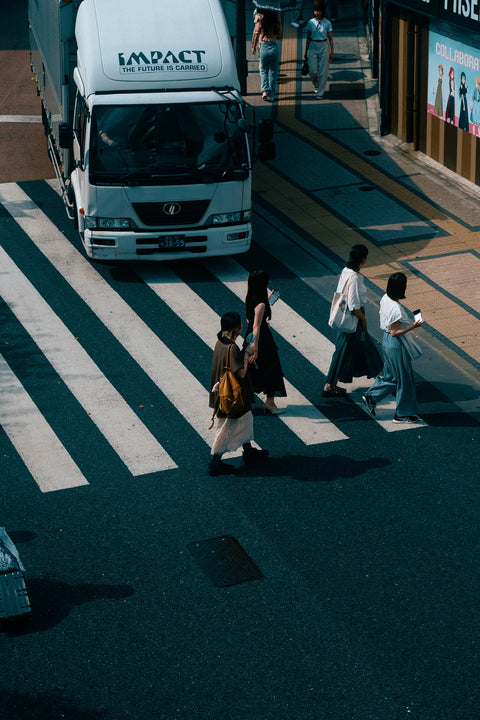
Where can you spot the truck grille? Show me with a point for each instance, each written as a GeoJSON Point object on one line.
{"type": "Point", "coordinates": [168, 214]}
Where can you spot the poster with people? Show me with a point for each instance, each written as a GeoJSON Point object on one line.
{"type": "Point", "coordinates": [454, 82]}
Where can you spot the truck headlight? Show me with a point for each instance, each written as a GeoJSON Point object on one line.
{"type": "Point", "coordinates": [99, 223]}
{"type": "Point", "coordinates": [231, 218]}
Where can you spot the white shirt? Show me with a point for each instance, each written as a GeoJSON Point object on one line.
{"type": "Point", "coordinates": [390, 312]}
{"type": "Point", "coordinates": [318, 29]}
{"type": "Point", "coordinates": [357, 292]}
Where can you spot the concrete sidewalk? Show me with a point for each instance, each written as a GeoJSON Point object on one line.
{"type": "Point", "coordinates": [337, 182]}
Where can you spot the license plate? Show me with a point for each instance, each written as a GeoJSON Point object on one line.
{"type": "Point", "coordinates": [171, 242]}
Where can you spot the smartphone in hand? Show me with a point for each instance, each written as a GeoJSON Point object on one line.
{"type": "Point", "coordinates": [274, 297]}
{"type": "Point", "coordinates": [417, 315]}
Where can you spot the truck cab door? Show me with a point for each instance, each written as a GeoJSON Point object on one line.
{"type": "Point", "coordinates": [81, 117]}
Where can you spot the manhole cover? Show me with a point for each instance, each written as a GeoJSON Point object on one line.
{"type": "Point", "coordinates": [224, 561]}
{"type": "Point", "coordinates": [372, 153]}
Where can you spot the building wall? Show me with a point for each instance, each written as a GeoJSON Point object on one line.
{"type": "Point", "coordinates": [409, 96]}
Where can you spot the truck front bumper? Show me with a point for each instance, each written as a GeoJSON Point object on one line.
{"type": "Point", "coordinates": [174, 245]}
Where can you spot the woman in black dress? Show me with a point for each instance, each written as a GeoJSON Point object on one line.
{"type": "Point", "coordinates": [265, 369]}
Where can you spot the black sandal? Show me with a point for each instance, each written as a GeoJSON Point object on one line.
{"type": "Point", "coordinates": [334, 391]}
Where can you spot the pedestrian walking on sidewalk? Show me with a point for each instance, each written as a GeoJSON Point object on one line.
{"type": "Point", "coordinates": [267, 32]}
{"type": "Point", "coordinates": [319, 48]}
{"type": "Point", "coordinates": [355, 353]}
{"type": "Point", "coordinates": [296, 16]}
{"type": "Point", "coordinates": [265, 369]}
{"type": "Point", "coordinates": [398, 349]}
{"type": "Point", "coordinates": [232, 433]}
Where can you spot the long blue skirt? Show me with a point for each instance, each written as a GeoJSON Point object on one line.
{"type": "Point", "coordinates": [397, 378]}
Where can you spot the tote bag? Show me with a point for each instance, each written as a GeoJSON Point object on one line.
{"type": "Point", "coordinates": [340, 316]}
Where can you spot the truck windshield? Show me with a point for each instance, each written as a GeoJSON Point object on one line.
{"type": "Point", "coordinates": [167, 144]}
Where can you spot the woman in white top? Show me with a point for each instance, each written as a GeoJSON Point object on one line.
{"type": "Point", "coordinates": [397, 377]}
{"type": "Point", "coordinates": [355, 353]}
{"type": "Point", "coordinates": [319, 48]}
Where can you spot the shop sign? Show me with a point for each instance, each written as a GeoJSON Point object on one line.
{"type": "Point", "coordinates": [460, 12]}
{"type": "Point", "coordinates": [465, 13]}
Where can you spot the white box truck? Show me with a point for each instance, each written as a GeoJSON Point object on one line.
{"type": "Point", "coordinates": [145, 125]}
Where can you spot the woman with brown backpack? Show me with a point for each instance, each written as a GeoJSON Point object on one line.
{"type": "Point", "coordinates": [234, 427]}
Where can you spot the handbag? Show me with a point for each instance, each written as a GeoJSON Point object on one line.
{"type": "Point", "coordinates": [411, 345]}
{"type": "Point", "coordinates": [305, 68]}
{"type": "Point", "coordinates": [340, 316]}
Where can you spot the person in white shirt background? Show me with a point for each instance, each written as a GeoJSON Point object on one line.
{"type": "Point", "coordinates": [319, 49]}
{"type": "Point", "coordinates": [397, 377]}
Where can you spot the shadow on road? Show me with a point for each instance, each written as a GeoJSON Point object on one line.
{"type": "Point", "coordinates": [306, 469]}
{"type": "Point", "coordinates": [51, 601]}
{"type": "Point", "coordinates": [16, 705]}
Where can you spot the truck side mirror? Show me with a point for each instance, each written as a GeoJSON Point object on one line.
{"type": "Point", "coordinates": [65, 136]}
{"type": "Point", "coordinates": [266, 146]}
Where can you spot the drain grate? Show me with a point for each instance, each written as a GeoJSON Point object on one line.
{"type": "Point", "coordinates": [224, 561]}
{"type": "Point", "coordinates": [347, 91]}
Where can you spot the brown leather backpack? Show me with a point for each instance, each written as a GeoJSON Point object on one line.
{"type": "Point", "coordinates": [229, 398]}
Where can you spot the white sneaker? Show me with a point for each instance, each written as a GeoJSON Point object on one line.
{"type": "Point", "coordinates": [406, 419]}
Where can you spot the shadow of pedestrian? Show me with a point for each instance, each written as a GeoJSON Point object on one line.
{"type": "Point", "coordinates": [16, 705]}
{"type": "Point", "coordinates": [449, 419]}
{"type": "Point", "coordinates": [307, 469]}
{"type": "Point", "coordinates": [51, 601]}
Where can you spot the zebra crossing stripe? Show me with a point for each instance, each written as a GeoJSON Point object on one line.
{"type": "Point", "coordinates": [40, 449]}
{"type": "Point", "coordinates": [132, 441]}
{"type": "Point", "coordinates": [145, 347]}
{"type": "Point", "coordinates": [314, 346]}
{"type": "Point", "coordinates": [301, 417]}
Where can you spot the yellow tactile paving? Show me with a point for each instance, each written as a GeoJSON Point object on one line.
{"type": "Point", "coordinates": [447, 317]}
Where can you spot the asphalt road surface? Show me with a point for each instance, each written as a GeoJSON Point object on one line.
{"type": "Point", "coordinates": [355, 590]}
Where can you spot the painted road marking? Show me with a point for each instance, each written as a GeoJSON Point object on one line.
{"type": "Point", "coordinates": [32, 437]}
{"type": "Point", "coordinates": [314, 346]}
{"type": "Point", "coordinates": [153, 356]}
{"type": "Point", "coordinates": [301, 417]}
{"type": "Point", "coordinates": [123, 429]}
{"type": "Point", "coordinates": [21, 118]}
